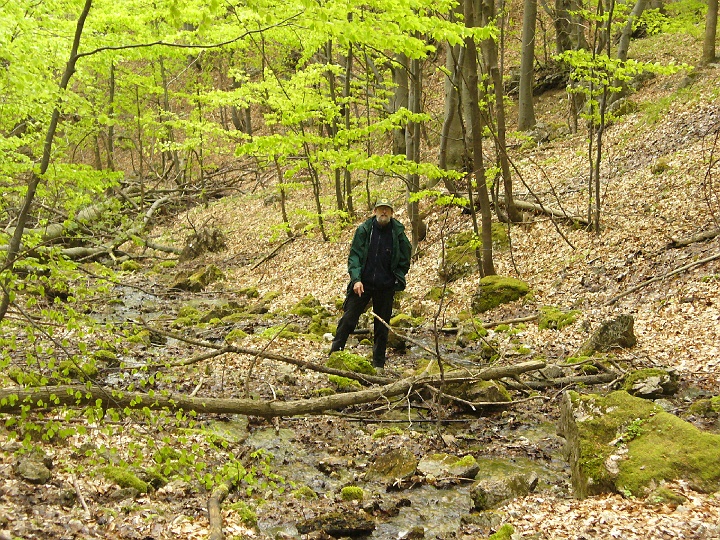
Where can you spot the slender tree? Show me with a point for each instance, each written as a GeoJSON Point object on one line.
{"type": "Point", "coordinates": [526, 108]}
{"type": "Point", "coordinates": [711, 17]}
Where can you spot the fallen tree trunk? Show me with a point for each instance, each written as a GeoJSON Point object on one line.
{"type": "Point", "coordinates": [13, 400]}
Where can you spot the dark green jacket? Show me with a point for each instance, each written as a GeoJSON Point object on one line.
{"type": "Point", "coordinates": [400, 263]}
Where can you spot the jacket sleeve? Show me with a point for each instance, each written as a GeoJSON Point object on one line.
{"type": "Point", "coordinates": [356, 256]}
{"type": "Point", "coordinates": [403, 261]}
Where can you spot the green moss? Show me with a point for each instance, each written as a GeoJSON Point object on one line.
{"type": "Point", "coordinates": [250, 292]}
{"type": "Point", "coordinates": [189, 311]}
{"type": "Point", "coordinates": [304, 493]}
{"type": "Point", "coordinates": [344, 384]}
{"type": "Point", "coordinates": [554, 318]}
{"type": "Point", "coordinates": [668, 381]}
{"type": "Point", "coordinates": [496, 290]}
{"type": "Point", "coordinates": [321, 392]}
{"type": "Point", "coordinates": [502, 328]}
{"type": "Point", "coordinates": [352, 493]}
{"type": "Point", "coordinates": [141, 337]}
{"type": "Point", "coordinates": [25, 378]}
{"type": "Point", "coordinates": [235, 335]}
{"type": "Point", "coordinates": [403, 320]}
{"type": "Point", "coordinates": [105, 355]}
{"type": "Point", "coordinates": [78, 371]}
{"type": "Point", "coordinates": [660, 445]}
{"type": "Point", "coordinates": [350, 362]}
{"type": "Point", "coordinates": [503, 533]}
{"type": "Point", "coordinates": [124, 478]}
{"type": "Point", "coordinates": [663, 495]}
{"type": "Point", "coordinates": [246, 514]}
{"type": "Point", "coordinates": [285, 331]}
{"type": "Point", "coordinates": [436, 293]}
{"type": "Point", "coordinates": [383, 432]}
{"type": "Point", "coordinates": [130, 266]}
{"type": "Point", "coordinates": [715, 404]}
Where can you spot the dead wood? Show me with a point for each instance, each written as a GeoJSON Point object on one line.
{"type": "Point", "coordinates": [589, 380]}
{"type": "Point", "coordinates": [700, 237]}
{"type": "Point", "coordinates": [272, 253]}
{"type": "Point", "coordinates": [215, 512]}
{"type": "Point", "coordinates": [659, 278]}
{"type": "Point", "coordinates": [13, 400]}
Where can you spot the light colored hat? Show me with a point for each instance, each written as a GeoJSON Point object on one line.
{"type": "Point", "coordinates": [384, 202]}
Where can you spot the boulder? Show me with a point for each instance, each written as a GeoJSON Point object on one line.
{"type": "Point", "coordinates": [496, 290]}
{"type": "Point", "coordinates": [392, 467]}
{"type": "Point", "coordinates": [443, 465]}
{"type": "Point", "coordinates": [615, 332]}
{"type": "Point", "coordinates": [624, 444]}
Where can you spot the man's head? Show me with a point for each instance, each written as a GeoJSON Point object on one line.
{"type": "Point", "coordinates": [383, 211]}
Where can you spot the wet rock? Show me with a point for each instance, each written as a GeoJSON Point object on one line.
{"type": "Point", "coordinates": [199, 280]}
{"type": "Point", "coordinates": [448, 466]}
{"type": "Point", "coordinates": [392, 467]}
{"type": "Point", "coordinates": [338, 524]}
{"type": "Point", "coordinates": [492, 492]}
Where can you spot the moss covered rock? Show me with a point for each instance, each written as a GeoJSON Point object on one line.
{"type": "Point", "coordinates": [620, 443]}
{"type": "Point", "coordinates": [496, 290]}
{"type": "Point", "coordinates": [350, 362]}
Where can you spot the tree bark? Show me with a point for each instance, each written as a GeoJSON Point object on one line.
{"type": "Point", "coordinates": [710, 32]}
{"type": "Point", "coordinates": [526, 108]}
{"type": "Point", "coordinates": [14, 400]}
{"type": "Point", "coordinates": [471, 75]}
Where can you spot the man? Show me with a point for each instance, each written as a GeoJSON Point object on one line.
{"type": "Point", "coordinates": [378, 262]}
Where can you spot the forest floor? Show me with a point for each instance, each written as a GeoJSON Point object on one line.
{"type": "Point", "coordinates": [658, 187]}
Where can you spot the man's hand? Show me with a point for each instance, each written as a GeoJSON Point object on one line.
{"type": "Point", "coordinates": [358, 288]}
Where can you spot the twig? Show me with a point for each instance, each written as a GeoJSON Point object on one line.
{"type": "Point", "coordinates": [660, 278]}
{"type": "Point", "coordinates": [80, 497]}
{"type": "Point", "coordinates": [194, 392]}
{"type": "Point", "coordinates": [272, 253]}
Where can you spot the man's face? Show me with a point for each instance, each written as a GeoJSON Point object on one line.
{"type": "Point", "coordinates": [383, 214]}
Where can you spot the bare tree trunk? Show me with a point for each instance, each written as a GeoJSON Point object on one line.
{"type": "Point", "coordinates": [400, 100]}
{"type": "Point", "coordinates": [471, 73]}
{"type": "Point", "coordinates": [333, 127]}
{"type": "Point", "coordinates": [526, 108]}
{"type": "Point", "coordinates": [710, 32]}
{"type": "Point", "coordinates": [346, 109]}
{"type": "Point", "coordinates": [16, 240]}
{"type": "Point", "coordinates": [111, 116]}
{"type": "Point", "coordinates": [562, 26]}
{"type": "Point", "coordinates": [491, 60]}
{"type": "Point", "coordinates": [412, 142]}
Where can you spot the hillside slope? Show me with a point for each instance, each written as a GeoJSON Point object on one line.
{"type": "Point", "coordinates": [659, 185]}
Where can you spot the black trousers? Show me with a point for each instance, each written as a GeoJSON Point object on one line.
{"type": "Point", "coordinates": [354, 306]}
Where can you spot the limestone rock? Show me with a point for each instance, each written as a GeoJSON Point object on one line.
{"type": "Point", "coordinates": [32, 470]}
{"type": "Point", "coordinates": [624, 444]}
{"type": "Point", "coordinates": [617, 331]}
{"type": "Point", "coordinates": [496, 290]}
{"type": "Point", "coordinates": [492, 492]}
{"type": "Point", "coordinates": [447, 465]}
{"type": "Point", "coordinates": [392, 466]}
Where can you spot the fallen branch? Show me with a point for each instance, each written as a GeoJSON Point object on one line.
{"type": "Point", "coordinates": [215, 511]}
{"type": "Point", "coordinates": [13, 400]}
{"type": "Point", "coordinates": [272, 253]}
{"type": "Point", "coordinates": [602, 378]}
{"type": "Point", "coordinates": [700, 237]}
{"type": "Point", "coordinates": [660, 278]}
